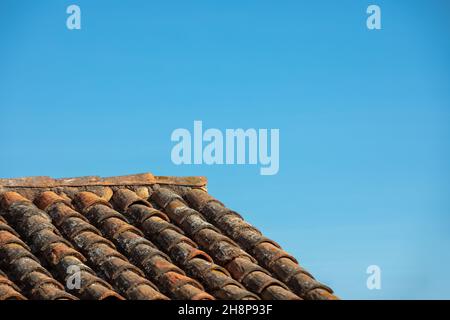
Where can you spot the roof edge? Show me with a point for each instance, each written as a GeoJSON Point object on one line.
{"type": "Point", "coordinates": [142, 179]}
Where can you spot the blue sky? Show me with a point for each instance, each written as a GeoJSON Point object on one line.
{"type": "Point", "coordinates": [363, 117]}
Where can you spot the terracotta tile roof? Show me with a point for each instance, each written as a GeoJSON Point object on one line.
{"type": "Point", "coordinates": [137, 237]}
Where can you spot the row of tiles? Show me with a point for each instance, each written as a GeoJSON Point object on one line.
{"type": "Point", "coordinates": [192, 248]}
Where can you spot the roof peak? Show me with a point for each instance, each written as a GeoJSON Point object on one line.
{"type": "Point", "coordinates": [142, 179]}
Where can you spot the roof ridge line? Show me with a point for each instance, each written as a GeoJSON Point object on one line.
{"type": "Point", "coordinates": [141, 179]}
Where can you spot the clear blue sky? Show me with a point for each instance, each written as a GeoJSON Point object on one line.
{"type": "Point", "coordinates": [363, 116]}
